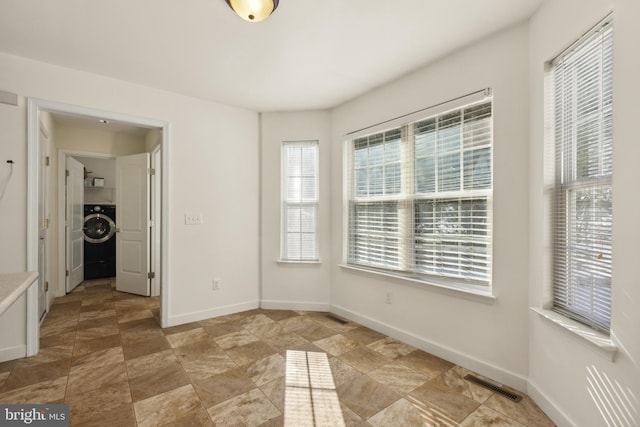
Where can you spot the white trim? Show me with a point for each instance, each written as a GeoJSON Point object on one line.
{"type": "Point", "coordinates": [298, 262]}
{"type": "Point", "coordinates": [406, 255]}
{"type": "Point", "coordinates": [61, 282]}
{"type": "Point", "coordinates": [418, 283]}
{"type": "Point", "coordinates": [548, 406]}
{"type": "Point", "coordinates": [496, 373]}
{"type": "Point", "coordinates": [284, 204]}
{"type": "Point", "coordinates": [196, 316]}
{"type": "Point", "coordinates": [164, 227]}
{"type": "Point", "coordinates": [33, 178]}
{"type": "Point", "coordinates": [596, 338]}
{"type": "Point", "coordinates": [11, 353]}
{"type": "Point", "coordinates": [294, 305]}
{"type": "Point", "coordinates": [156, 162]}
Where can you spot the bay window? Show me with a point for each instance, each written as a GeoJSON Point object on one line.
{"type": "Point", "coordinates": [420, 195]}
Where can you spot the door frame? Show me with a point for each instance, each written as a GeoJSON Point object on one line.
{"type": "Point", "coordinates": [156, 217]}
{"type": "Point", "coordinates": [34, 107]}
{"type": "Point", "coordinates": [43, 183]}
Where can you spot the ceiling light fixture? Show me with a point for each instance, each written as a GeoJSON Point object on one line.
{"type": "Point", "coordinates": [253, 10]}
{"type": "Point", "coordinates": [104, 121]}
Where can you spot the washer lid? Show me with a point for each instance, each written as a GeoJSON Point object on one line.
{"type": "Point", "coordinates": [98, 228]}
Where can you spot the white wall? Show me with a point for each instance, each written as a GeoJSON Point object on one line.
{"type": "Point", "coordinates": [501, 339]}
{"type": "Point", "coordinates": [293, 285]}
{"type": "Point", "coordinates": [575, 382]}
{"type": "Point", "coordinates": [99, 168]}
{"type": "Point", "coordinates": [152, 138]}
{"type": "Point", "coordinates": [13, 206]}
{"type": "Point", "coordinates": [489, 337]}
{"type": "Point", "coordinates": [13, 332]}
{"type": "Point", "coordinates": [74, 138]}
{"type": "Point", "coordinates": [213, 165]}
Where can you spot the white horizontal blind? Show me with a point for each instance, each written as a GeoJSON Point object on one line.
{"type": "Point", "coordinates": [420, 197]}
{"type": "Point", "coordinates": [299, 201]}
{"type": "Point", "coordinates": [582, 215]}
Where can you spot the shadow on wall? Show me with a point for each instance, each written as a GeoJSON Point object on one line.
{"type": "Point", "coordinates": [617, 404]}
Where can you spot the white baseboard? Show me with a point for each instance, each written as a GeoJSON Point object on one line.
{"type": "Point", "coordinates": [215, 312]}
{"type": "Point", "coordinates": [11, 353]}
{"type": "Point", "coordinates": [548, 406]}
{"type": "Point", "coordinates": [488, 370]}
{"type": "Point", "coordinates": [294, 305]}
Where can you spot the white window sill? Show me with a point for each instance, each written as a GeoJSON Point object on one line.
{"type": "Point", "coordinates": [460, 291]}
{"type": "Point", "coordinates": [590, 335]}
{"type": "Point", "coordinates": [297, 262]}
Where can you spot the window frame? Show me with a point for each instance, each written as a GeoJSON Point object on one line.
{"type": "Point", "coordinates": [409, 197]}
{"type": "Point", "coordinates": [567, 299]}
{"type": "Point", "coordinates": [285, 204]}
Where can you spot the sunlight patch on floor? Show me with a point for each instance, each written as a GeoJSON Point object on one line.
{"type": "Point", "coordinates": [310, 392]}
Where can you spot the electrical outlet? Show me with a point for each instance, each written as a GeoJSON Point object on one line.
{"type": "Point", "coordinates": [192, 218]}
{"type": "Point", "coordinates": [215, 285]}
{"type": "Point", "coordinates": [388, 298]}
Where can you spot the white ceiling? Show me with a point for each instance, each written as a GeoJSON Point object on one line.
{"type": "Point", "coordinates": [310, 54]}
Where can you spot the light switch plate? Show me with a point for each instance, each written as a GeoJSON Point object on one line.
{"type": "Point", "coordinates": [192, 218]}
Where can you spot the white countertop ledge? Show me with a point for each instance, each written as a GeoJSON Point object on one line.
{"type": "Point", "coordinates": [12, 285]}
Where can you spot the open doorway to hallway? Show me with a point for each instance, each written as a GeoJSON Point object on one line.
{"type": "Point", "coordinates": [85, 133]}
{"type": "Point", "coordinates": [114, 214]}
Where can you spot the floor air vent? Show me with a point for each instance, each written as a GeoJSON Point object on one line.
{"type": "Point", "coordinates": [337, 319]}
{"type": "Point", "coordinates": [495, 388]}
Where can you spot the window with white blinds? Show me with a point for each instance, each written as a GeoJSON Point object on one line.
{"type": "Point", "coordinates": [420, 196]}
{"type": "Point", "coordinates": [582, 213]}
{"type": "Point", "coordinates": [299, 201]}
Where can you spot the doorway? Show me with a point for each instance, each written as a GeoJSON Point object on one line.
{"type": "Point", "coordinates": [115, 183]}
{"type": "Point", "coordinates": [35, 108]}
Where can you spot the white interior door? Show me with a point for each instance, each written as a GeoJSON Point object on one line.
{"type": "Point", "coordinates": [43, 224]}
{"type": "Point", "coordinates": [74, 223]}
{"type": "Point", "coordinates": [132, 224]}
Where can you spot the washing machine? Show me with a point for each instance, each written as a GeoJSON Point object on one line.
{"type": "Point", "coordinates": [99, 241]}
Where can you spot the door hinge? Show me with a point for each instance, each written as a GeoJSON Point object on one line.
{"type": "Point", "coordinates": [66, 173]}
{"type": "Point", "coordinates": [47, 161]}
{"type": "Point", "coordinates": [151, 171]}
{"type": "Point", "coordinates": [67, 273]}
{"type": "Point", "coordinates": [46, 224]}
{"type": "Point", "coordinates": [46, 286]}
{"type": "Point", "coordinates": [151, 275]}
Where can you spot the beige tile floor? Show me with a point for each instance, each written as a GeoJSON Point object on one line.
{"type": "Point", "coordinates": [103, 353]}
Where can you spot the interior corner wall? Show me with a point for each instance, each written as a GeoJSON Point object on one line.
{"type": "Point", "coordinates": [213, 164]}
{"type": "Point", "coordinates": [488, 337]}
{"type": "Point", "coordinates": [576, 383]}
{"type": "Point", "coordinates": [152, 139]}
{"type": "Point", "coordinates": [293, 285]}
